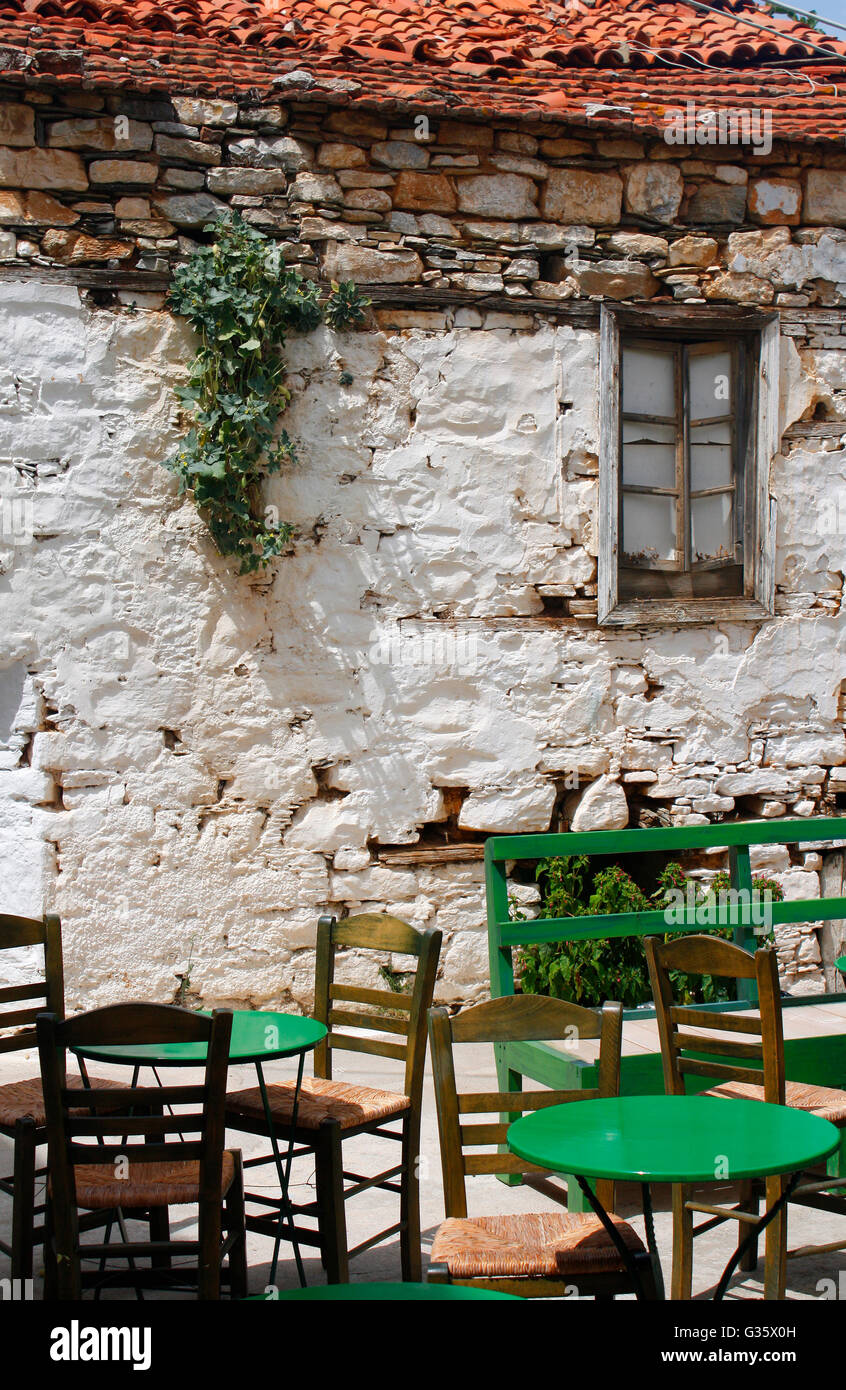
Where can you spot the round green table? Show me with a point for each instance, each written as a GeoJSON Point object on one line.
{"type": "Point", "coordinates": [382, 1293]}
{"type": "Point", "coordinates": [675, 1139]}
{"type": "Point", "coordinates": [841, 964]}
{"type": "Point", "coordinates": [257, 1037]}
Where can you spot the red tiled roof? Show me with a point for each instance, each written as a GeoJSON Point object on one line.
{"type": "Point", "coordinates": [503, 57]}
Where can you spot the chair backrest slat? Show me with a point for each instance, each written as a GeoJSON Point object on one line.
{"type": "Point", "coordinates": [107, 1155]}
{"type": "Point", "coordinates": [21, 931]}
{"type": "Point", "coordinates": [721, 1047]}
{"type": "Point", "coordinates": [13, 994]}
{"type": "Point", "coordinates": [402, 1015]}
{"type": "Point", "coordinates": [18, 1041]}
{"type": "Point", "coordinates": [382, 998]}
{"type": "Point", "coordinates": [347, 1018]}
{"type": "Point", "coordinates": [517, 1102]}
{"type": "Point", "coordinates": [28, 931]}
{"type": "Point", "coordinates": [691, 1066]}
{"type": "Point", "coordinates": [493, 1165]}
{"type": "Point", "coordinates": [475, 1135]}
{"type": "Point", "coordinates": [97, 1098]}
{"type": "Point", "coordinates": [513, 1018]}
{"type": "Point", "coordinates": [16, 1018]}
{"type": "Point", "coordinates": [716, 1055]}
{"type": "Point", "coordinates": [704, 1018]}
{"type": "Point", "coordinates": [375, 1047]}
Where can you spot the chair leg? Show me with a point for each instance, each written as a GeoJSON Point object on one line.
{"type": "Point", "coordinates": [438, 1274]}
{"type": "Point", "coordinates": [62, 1233]}
{"type": "Point", "coordinates": [331, 1216]}
{"type": "Point", "coordinates": [682, 1281]}
{"type": "Point", "coordinates": [410, 1255]}
{"type": "Point", "coordinates": [23, 1200]}
{"type": "Point", "coordinates": [209, 1258]}
{"type": "Point", "coordinates": [51, 1289]}
{"type": "Point", "coordinates": [775, 1247]}
{"type": "Point", "coordinates": [68, 1280]}
{"type": "Point", "coordinates": [160, 1230]}
{"type": "Point", "coordinates": [646, 1275]}
{"type": "Point", "coordinates": [749, 1202]}
{"type": "Point", "coordinates": [236, 1224]}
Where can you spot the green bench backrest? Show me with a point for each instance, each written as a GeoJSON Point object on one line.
{"type": "Point", "coordinates": [504, 935]}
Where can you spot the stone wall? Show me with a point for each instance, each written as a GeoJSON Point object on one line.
{"type": "Point", "coordinates": [537, 210]}
{"type": "Point", "coordinates": [193, 765]}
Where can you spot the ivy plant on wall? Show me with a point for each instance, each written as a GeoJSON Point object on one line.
{"type": "Point", "coordinates": [242, 303]}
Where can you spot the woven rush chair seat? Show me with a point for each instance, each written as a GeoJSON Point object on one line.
{"type": "Point", "coordinates": [536, 1244]}
{"type": "Point", "coordinates": [319, 1099]}
{"type": "Point", "coordinates": [146, 1184]}
{"type": "Point", "coordinates": [823, 1101]}
{"type": "Point", "coordinates": [25, 1099]}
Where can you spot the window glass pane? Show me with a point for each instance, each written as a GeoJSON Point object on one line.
{"type": "Point", "coordinates": [649, 527]}
{"type": "Point", "coordinates": [649, 454]}
{"type": "Point", "coordinates": [636, 430]}
{"type": "Point", "coordinates": [711, 527]}
{"type": "Point", "coordinates": [710, 456]}
{"type": "Point", "coordinates": [646, 464]}
{"type": "Point", "coordinates": [710, 384]}
{"type": "Point", "coordinates": [648, 382]}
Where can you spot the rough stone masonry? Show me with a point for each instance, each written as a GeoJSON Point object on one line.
{"type": "Point", "coordinates": [194, 765]}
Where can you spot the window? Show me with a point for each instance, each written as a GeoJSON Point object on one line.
{"type": "Point", "coordinates": [688, 426]}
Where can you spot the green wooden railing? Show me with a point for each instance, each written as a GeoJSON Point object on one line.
{"type": "Point", "coordinates": [736, 837]}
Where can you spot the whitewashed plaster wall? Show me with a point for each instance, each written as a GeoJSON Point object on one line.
{"type": "Point", "coordinates": [194, 765]}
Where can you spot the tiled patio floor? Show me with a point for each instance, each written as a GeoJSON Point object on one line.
{"type": "Point", "coordinates": [372, 1211]}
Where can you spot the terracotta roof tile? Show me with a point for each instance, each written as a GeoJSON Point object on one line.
{"type": "Point", "coordinates": [502, 57]}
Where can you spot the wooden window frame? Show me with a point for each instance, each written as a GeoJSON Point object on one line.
{"type": "Point", "coordinates": [761, 332]}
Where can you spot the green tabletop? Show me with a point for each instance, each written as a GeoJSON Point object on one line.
{"type": "Point", "coordinates": [672, 1138]}
{"type": "Point", "coordinates": [381, 1293]}
{"type": "Point", "coordinates": [257, 1036]}
{"type": "Point", "coordinates": [841, 964]}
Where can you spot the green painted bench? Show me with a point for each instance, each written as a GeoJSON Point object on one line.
{"type": "Point", "coordinates": [815, 1041]}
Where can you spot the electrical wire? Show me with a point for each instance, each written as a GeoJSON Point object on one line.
{"type": "Point", "coordinates": [710, 67]}
{"type": "Point", "coordinates": [668, 62]}
{"type": "Point", "coordinates": [765, 28]}
{"type": "Point", "coordinates": [806, 14]}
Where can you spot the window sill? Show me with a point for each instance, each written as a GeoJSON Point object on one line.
{"type": "Point", "coordinates": [687, 613]}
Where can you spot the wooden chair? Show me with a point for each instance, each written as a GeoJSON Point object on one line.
{"type": "Point", "coordinates": [331, 1112]}
{"type": "Point", "coordinates": [537, 1255]}
{"type": "Point", "coordinates": [711, 1052]}
{"type": "Point", "coordinates": [129, 1162]}
{"type": "Point", "coordinates": [22, 1117]}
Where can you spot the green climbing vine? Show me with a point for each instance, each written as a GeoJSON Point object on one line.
{"type": "Point", "coordinates": [242, 303]}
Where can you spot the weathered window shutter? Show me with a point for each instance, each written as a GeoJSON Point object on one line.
{"type": "Point", "coordinates": [609, 461]}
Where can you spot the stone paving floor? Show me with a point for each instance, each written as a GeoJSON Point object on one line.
{"type": "Point", "coordinates": [808, 1277]}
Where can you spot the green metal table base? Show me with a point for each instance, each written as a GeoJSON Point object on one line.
{"type": "Point", "coordinates": [754, 1233]}
{"type": "Point", "coordinates": [283, 1203]}
{"type": "Point", "coordinates": [631, 1264]}
{"type": "Point", "coordinates": [629, 1260]}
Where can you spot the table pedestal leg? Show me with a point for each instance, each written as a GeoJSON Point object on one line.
{"type": "Point", "coordinates": [626, 1255]}
{"type": "Point", "coordinates": [754, 1233]}
{"type": "Point", "coordinates": [283, 1173]}
{"type": "Point", "coordinates": [652, 1246]}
